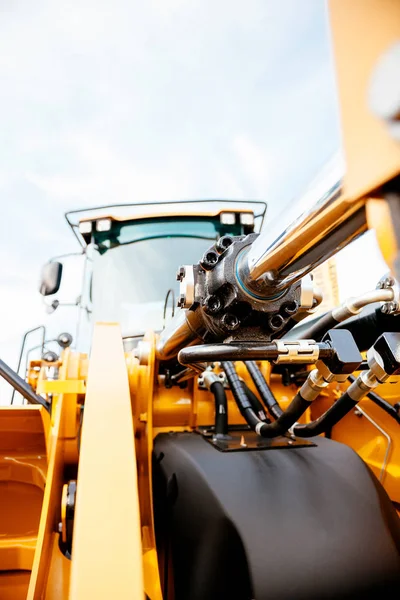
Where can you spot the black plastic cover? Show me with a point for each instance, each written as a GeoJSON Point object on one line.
{"type": "Point", "coordinates": [305, 523]}
{"type": "Point", "coordinates": [346, 357]}
{"type": "Point", "coordinates": [388, 346]}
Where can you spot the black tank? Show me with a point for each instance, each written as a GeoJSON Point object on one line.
{"type": "Point", "coordinates": [283, 524]}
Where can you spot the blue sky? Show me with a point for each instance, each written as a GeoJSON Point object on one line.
{"type": "Point", "coordinates": [166, 99]}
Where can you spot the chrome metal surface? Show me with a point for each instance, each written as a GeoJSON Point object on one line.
{"type": "Point", "coordinates": [209, 377]}
{"type": "Point", "coordinates": [21, 386]}
{"type": "Point", "coordinates": [298, 352]}
{"type": "Point", "coordinates": [177, 334]}
{"type": "Point", "coordinates": [323, 229]}
{"type": "Point", "coordinates": [365, 382]}
{"type": "Point", "coordinates": [186, 374]}
{"type": "Point", "coordinates": [312, 387]}
{"type": "Point", "coordinates": [353, 306]}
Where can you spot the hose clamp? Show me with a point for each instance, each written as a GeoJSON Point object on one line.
{"type": "Point", "coordinates": [298, 352]}
{"type": "Point", "coordinates": [258, 427]}
{"type": "Point", "coordinates": [208, 377]}
{"type": "Point", "coordinates": [392, 307]}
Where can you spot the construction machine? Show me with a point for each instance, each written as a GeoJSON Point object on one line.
{"type": "Point", "coordinates": [222, 439]}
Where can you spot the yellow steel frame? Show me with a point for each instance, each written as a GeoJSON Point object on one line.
{"type": "Point", "coordinates": [51, 569]}
{"type": "Point", "coordinates": [107, 550]}
{"type": "Point", "coordinates": [126, 404]}
{"type": "Point", "coordinates": [363, 30]}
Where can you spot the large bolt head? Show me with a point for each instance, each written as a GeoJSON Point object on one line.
{"type": "Point", "coordinates": [212, 304]}
{"type": "Point", "coordinates": [275, 322]}
{"type": "Point", "coordinates": [209, 260]}
{"type": "Point", "coordinates": [288, 309]}
{"type": "Point", "coordinates": [223, 243]}
{"type": "Point", "coordinates": [230, 321]}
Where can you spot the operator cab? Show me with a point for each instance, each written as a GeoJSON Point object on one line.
{"type": "Point", "coordinates": [131, 253]}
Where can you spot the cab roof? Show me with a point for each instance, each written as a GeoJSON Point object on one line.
{"type": "Point", "coordinates": [131, 212]}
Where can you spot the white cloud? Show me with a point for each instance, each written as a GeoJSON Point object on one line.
{"type": "Point", "coordinates": [254, 162]}
{"type": "Point", "coordinates": [166, 99]}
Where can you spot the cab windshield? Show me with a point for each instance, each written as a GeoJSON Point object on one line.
{"type": "Point", "coordinates": [135, 264]}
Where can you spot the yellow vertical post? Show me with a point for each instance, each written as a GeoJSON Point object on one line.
{"type": "Point", "coordinates": [107, 552]}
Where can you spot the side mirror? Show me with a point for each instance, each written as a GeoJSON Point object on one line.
{"type": "Point", "coordinates": [50, 278]}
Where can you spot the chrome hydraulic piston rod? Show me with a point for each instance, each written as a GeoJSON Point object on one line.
{"type": "Point", "coordinates": [182, 331]}
{"type": "Point", "coordinates": [277, 259]}
{"type": "Point", "coordinates": [250, 288]}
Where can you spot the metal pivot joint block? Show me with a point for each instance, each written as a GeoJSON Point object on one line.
{"type": "Point", "coordinates": [226, 308]}
{"type": "Point", "coordinates": [384, 356]}
{"type": "Point", "coordinates": [383, 361]}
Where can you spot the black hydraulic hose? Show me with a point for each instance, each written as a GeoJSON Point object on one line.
{"type": "Point", "coordinates": [383, 404]}
{"type": "Point", "coordinates": [331, 417]}
{"type": "Point", "coordinates": [21, 386]}
{"type": "Point", "coordinates": [221, 408]}
{"type": "Point", "coordinates": [263, 389]}
{"type": "Point", "coordinates": [296, 408]}
{"type": "Point", "coordinates": [255, 403]}
{"type": "Point", "coordinates": [367, 327]}
{"type": "Point", "coordinates": [268, 430]}
{"type": "Point", "coordinates": [240, 395]}
{"type": "Point", "coordinates": [317, 330]}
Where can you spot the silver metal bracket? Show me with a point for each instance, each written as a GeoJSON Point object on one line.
{"type": "Point", "coordinates": [185, 276]}
{"type": "Point", "coordinates": [389, 283]}
{"type": "Point", "coordinates": [221, 377]}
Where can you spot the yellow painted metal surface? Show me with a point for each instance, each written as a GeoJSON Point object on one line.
{"type": "Point", "coordinates": [72, 386]}
{"type": "Point", "coordinates": [107, 551]}
{"type": "Point", "coordinates": [58, 574]}
{"type": "Point", "coordinates": [126, 405]}
{"type": "Point", "coordinates": [142, 386]}
{"type": "Point", "coordinates": [23, 467]}
{"type": "Point", "coordinates": [362, 30]}
{"type": "Point", "coordinates": [13, 585]}
{"type": "Point", "coordinates": [377, 443]}
{"type": "Point", "coordinates": [62, 451]}
{"type": "Point", "coordinates": [379, 218]}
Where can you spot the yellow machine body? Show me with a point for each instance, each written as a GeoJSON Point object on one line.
{"type": "Point", "coordinates": [107, 411]}
{"type": "Point", "coordinates": [40, 456]}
